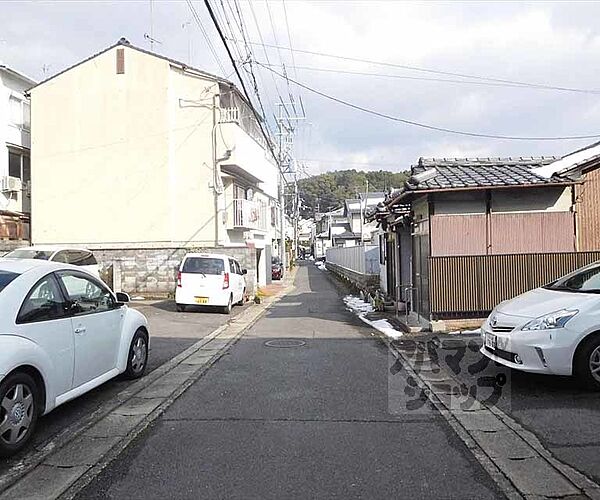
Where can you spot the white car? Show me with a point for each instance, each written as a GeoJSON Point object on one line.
{"type": "Point", "coordinates": [66, 255]}
{"type": "Point", "coordinates": [554, 329]}
{"type": "Point", "coordinates": [210, 280]}
{"type": "Point", "coordinates": [62, 333]}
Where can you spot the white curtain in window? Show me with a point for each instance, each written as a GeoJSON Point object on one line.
{"type": "Point", "coordinates": [26, 115]}
{"type": "Point", "coordinates": [16, 111]}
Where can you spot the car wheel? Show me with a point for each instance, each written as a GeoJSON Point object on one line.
{"type": "Point", "coordinates": [241, 302]}
{"type": "Point", "coordinates": [227, 309]}
{"type": "Point", "coordinates": [587, 363]}
{"type": "Point", "coordinates": [180, 308]}
{"type": "Point", "coordinates": [137, 359]}
{"type": "Point", "coordinates": [19, 411]}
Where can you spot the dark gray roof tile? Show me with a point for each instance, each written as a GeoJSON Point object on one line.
{"type": "Point", "coordinates": [481, 172]}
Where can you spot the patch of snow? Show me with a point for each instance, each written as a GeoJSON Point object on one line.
{"type": "Point", "coordinates": [466, 332]}
{"type": "Point", "coordinates": [138, 298]}
{"type": "Point", "coordinates": [362, 308]}
{"type": "Point", "coordinates": [321, 265]}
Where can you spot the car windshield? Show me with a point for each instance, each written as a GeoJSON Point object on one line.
{"type": "Point", "coordinates": [5, 278]}
{"type": "Point", "coordinates": [586, 280]}
{"type": "Point", "coordinates": [275, 260]}
{"type": "Point", "coordinates": [203, 265]}
{"type": "Point", "coordinates": [29, 253]}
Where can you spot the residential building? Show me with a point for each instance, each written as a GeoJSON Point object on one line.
{"type": "Point", "coordinates": [345, 226]}
{"type": "Point", "coordinates": [15, 171]}
{"type": "Point", "coordinates": [141, 158]}
{"type": "Point", "coordinates": [464, 234]}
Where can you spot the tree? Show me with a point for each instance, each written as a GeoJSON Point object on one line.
{"type": "Point", "coordinates": [329, 190]}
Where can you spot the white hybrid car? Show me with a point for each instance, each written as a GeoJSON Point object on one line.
{"type": "Point", "coordinates": [62, 333]}
{"type": "Point", "coordinates": [210, 280]}
{"type": "Point", "coordinates": [554, 329]}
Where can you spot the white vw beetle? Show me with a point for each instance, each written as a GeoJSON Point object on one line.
{"type": "Point", "coordinates": [62, 333]}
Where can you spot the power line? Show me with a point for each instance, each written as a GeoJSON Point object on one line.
{"type": "Point", "coordinates": [426, 126]}
{"type": "Point", "coordinates": [237, 71]}
{"type": "Point", "coordinates": [422, 78]}
{"type": "Point", "coordinates": [434, 71]}
{"type": "Point", "coordinates": [206, 37]}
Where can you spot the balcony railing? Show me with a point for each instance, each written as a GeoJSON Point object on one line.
{"type": "Point", "coordinates": [249, 214]}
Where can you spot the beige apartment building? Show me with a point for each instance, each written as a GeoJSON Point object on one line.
{"type": "Point", "coordinates": [142, 158]}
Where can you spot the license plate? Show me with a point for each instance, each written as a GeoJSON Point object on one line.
{"type": "Point", "coordinates": [491, 341]}
{"type": "Point", "coordinates": [201, 300]}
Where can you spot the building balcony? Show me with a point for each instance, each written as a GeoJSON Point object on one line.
{"type": "Point", "coordinates": [246, 214]}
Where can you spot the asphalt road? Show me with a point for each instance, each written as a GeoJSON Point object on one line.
{"type": "Point", "coordinates": [170, 333]}
{"type": "Point", "coordinates": [311, 421]}
{"type": "Point", "coordinates": [564, 416]}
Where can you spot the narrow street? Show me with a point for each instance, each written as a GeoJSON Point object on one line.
{"type": "Point", "coordinates": [310, 421]}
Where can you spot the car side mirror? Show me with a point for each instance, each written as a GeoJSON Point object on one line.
{"type": "Point", "coordinates": [244, 271]}
{"type": "Point", "coordinates": [123, 297]}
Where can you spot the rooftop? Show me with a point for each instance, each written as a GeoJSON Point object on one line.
{"type": "Point", "coordinates": [457, 173]}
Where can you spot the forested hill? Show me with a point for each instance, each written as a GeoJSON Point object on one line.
{"type": "Point", "coordinates": [329, 190]}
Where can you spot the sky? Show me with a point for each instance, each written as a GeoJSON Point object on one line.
{"type": "Point", "coordinates": [543, 43]}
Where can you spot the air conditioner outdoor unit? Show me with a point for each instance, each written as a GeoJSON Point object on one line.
{"type": "Point", "coordinates": [8, 183]}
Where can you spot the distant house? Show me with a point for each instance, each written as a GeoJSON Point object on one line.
{"type": "Point", "coordinates": [345, 226]}
{"type": "Point", "coordinates": [15, 170]}
{"type": "Point", "coordinates": [464, 234]}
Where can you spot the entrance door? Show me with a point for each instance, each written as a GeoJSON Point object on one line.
{"type": "Point", "coordinates": [421, 274]}
{"type": "Point", "coordinates": [390, 265]}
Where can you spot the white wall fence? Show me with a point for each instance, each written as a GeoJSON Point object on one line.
{"type": "Point", "coordinates": [362, 259]}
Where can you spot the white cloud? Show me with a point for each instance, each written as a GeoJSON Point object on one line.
{"type": "Point", "coordinates": [539, 42]}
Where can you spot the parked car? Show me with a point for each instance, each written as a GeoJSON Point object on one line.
{"type": "Point", "coordinates": [206, 279]}
{"type": "Point", "coordinates": [67, 255]}
{"type": "Point", "coordinates": [62, 333]}
{"type": "Point", "coordinates": [276, 268]}
{"type": "Point", "coordinates": [554, 329]}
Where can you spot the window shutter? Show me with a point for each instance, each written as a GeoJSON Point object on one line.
{"type": "Point", "coordinates": [120, 61]}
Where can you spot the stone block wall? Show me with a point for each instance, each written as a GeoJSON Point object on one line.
{"type": "Point", "coordinates": [361, 281]}
{"type": "Point", "coordinates": [153, 271]}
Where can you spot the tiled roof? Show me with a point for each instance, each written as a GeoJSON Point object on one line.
{"type": "Point", "coordinates": [480, 172]}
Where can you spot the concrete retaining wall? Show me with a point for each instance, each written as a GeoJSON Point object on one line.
{"type": "Point", "coordinates": [362, 281]}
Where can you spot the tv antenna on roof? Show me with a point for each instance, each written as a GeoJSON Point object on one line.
{"type": "Point", "coordinates": [152, 41]}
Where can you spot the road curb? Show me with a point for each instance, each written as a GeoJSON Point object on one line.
{"type": "Point", "coordinates": [46, 475]}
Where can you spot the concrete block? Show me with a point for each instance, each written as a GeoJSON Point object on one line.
{"type": "Point", "coordinates": [45, 482]}
{"type": "Point", "coordinates": [483, 420]}
{"type": "Point", "coordinates": [437, 326]}
{"type": "Point", "coordinates": [535, 476]}
{"type": "Point", "coordinates": [138, 406]}
{"type": "Point", "coordinates": [83, 450]}
{"type": "Point", "coordinates": [114, 425]}
{"type": "Point", "coordinates": [503, 444]}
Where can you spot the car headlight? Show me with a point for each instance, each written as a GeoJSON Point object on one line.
{"type": "Point", "coordinates": [551, 321]}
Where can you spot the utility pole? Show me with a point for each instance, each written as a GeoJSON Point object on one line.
{"type": "Point", "coordinates": [285, 134]}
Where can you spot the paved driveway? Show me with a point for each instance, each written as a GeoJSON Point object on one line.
{"type": "Point", "coordinates": [170, 333]}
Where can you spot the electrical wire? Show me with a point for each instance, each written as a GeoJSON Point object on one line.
{"type": "Point", "coordinates": [434, 71]}
{"type": "Point", "coordinates": [419, 78]}
{"type": "Point", "coordinates": [427, 126]}
{"type": "Point", "coordinates": [259, 121]}
{"type": "Point", "coordinates": [206, 37]}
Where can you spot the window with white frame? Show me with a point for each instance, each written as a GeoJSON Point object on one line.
{"type": "Point", "coordinates": [19, 165]}
{"type": "Point", "coordinates": [19, 112]}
